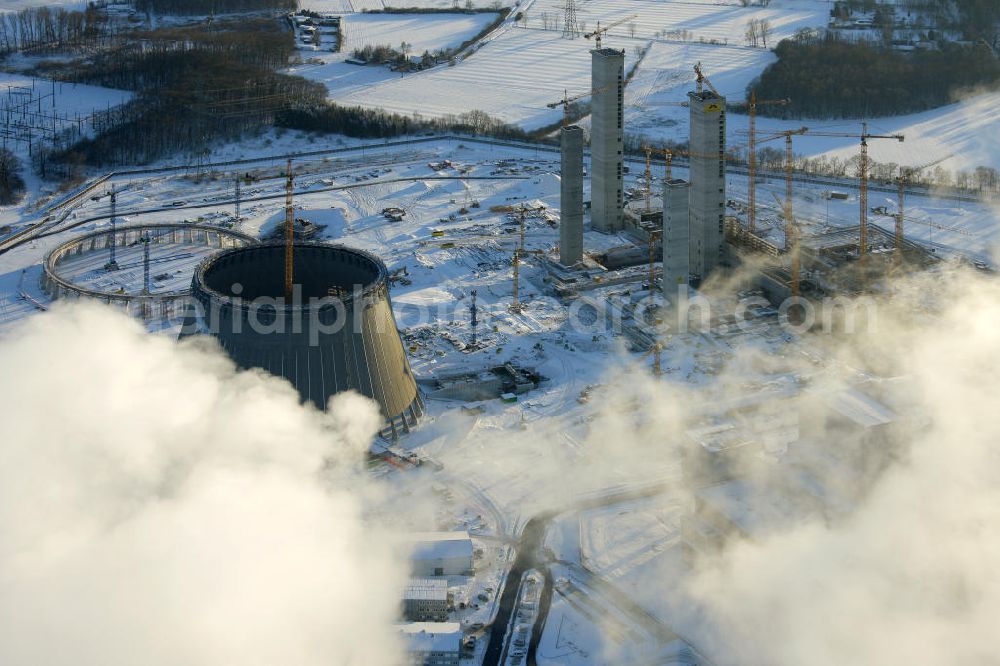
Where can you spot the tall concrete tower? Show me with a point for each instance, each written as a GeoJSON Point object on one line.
{"type": "Point", "coordinates": [607, 139]}
{"type": "Point", "coordinates": [708, 180]}
{"type": "Point", "coordinates": [571, 196]}
{"type": "Point", "coordinates": [676, 237]}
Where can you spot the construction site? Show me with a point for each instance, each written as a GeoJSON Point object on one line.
{"type": "Point", "coordinates": [496, 299]}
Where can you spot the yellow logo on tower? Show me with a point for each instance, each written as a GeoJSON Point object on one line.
{"type": "Point", "coordinates": [713, 107]}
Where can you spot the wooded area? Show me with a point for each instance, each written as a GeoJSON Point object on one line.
{"type": "Point", "coordinates": [830, 78]}
{"type": "Point", "coordinates": [11, 182]}
{"type": "Point", "coordinates": [211, 7]}
{"type": "Point", "coordinates": [373, 124]}
{"type": "Point", "coordinates": [54, 28]}
{"type": "Point", "coordinates": [194, 86]}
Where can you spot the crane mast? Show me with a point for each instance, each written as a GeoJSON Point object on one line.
{"type": "Point", "coordinates": [864, 167]}
{"type": "Point", "coordinates": [112, 264]}
{"type": "Point", "coordinates": [752, 155]}
{"type": "Point", "coordinates": [289, 233]}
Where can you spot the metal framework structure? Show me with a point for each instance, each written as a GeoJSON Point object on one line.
{"type": "Point", "coordinates": [571, 26]}
{"type": "Point", "coordinates": [289, 233]}
{"type": "Point", "coordinates": [864, 166]}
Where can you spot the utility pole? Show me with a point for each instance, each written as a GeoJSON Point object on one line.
{"type": "Point", "coordinates": [112, 264]}
{"type": "Point", "coordinates": [145, 240]}
{"type": "Point", "coordinates": [289, 233]}
{"type": "Point", "coordinates": [237, 199]}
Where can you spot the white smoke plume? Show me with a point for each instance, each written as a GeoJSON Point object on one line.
{"type": "Point", "coordinates": [159, 507]}
{"type": "Point", "coordinates": [910, 576]}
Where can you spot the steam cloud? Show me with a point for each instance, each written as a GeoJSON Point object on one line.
{"type": "Point", "coordinates": [911, 576]}
{"type": "Point", "coordinates": [159, 507]}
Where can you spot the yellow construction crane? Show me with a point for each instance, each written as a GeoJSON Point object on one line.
{"type": "Point", "coordinates": [752, 155]}
{"type": "Point", "coordinates": [289, 233]}
{"type": "Point", "coordinates": [566, 101]}
{"type": "Point", "coordinates": [649, 177]}
{"type": "Point", "coordinates": [791, 229]}
{"type": "Point", "coordinates": [789, 159]}
{"type": "Point", "coordinates": [863, 169]}
{"type": "Point", "coordinates": [596, 34]}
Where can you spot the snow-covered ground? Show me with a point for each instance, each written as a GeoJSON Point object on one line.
{"type": "Point", "coordinates": [524, 67]}
{"type": "Point", "coordinates": [701, 20]}
{"type": "Point", "coordinates": [423, 32]}
{"type": "Point", "coordinates": [512, 77]}
{"type": "Point", "coordinates": [351, 6]}
{"type": "Point", "coordinates": [18, 5]}
{"type": "Point", "coordinates": [550, 449]}
{"type": "Point", "coordinates": [36, 106]}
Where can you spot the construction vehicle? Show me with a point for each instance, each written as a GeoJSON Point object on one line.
{"type": "Point", "coordinates": [599, 32]}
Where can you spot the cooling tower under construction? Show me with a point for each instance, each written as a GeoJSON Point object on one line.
{"type": "Point", "coordinates": [337, 334]}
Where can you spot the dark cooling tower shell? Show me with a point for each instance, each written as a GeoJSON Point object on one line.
{"type": "Point", "coordinates": [338, 335]}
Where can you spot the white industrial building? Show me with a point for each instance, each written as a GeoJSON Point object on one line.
{"type": "Point", "coordinates": [441, 554]}
{"type": "Point", "coordinates": [433, 643]}
{"type": "Point", "coordinates": [426, 600]}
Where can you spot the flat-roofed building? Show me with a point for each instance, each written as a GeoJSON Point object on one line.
{"type": "Point", "coordinates": [433, 643]}
{"type": "Point", "coordinates": [441, 554]}
{"type": "Point", "coordinates": [426, 600]}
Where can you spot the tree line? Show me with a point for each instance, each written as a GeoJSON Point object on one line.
{"type": "Point", "coordinates": [193, 86]}
{"type": "Point", "coordinates": [826, 77]}
{"type": "Point", "coordinates": [51, 27]}
{"type": "Point", "coordinates": [981, 179]}
{"type": "Point", "coordinates": [365, 123]}
{"type": "Point", "coordinates": [211, 7]}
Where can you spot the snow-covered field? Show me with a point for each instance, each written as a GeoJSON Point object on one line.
{"type": "Point", "coordinates": [701, 20]}
{"type": "Point", "coordinates": [70, 99]}
{"type": "Point", "coordinates": [351, 6]}
{"type": "Point", "coordinates": [512, 77]}
{"type": "Point", "coordinates": [423, 32]}
{"type": "Point", "coordinates": [551, 447]}
{"type": "Point", "coordinates": [18, 5]}
{"type": "Point", "coordinates": [524, 67]}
